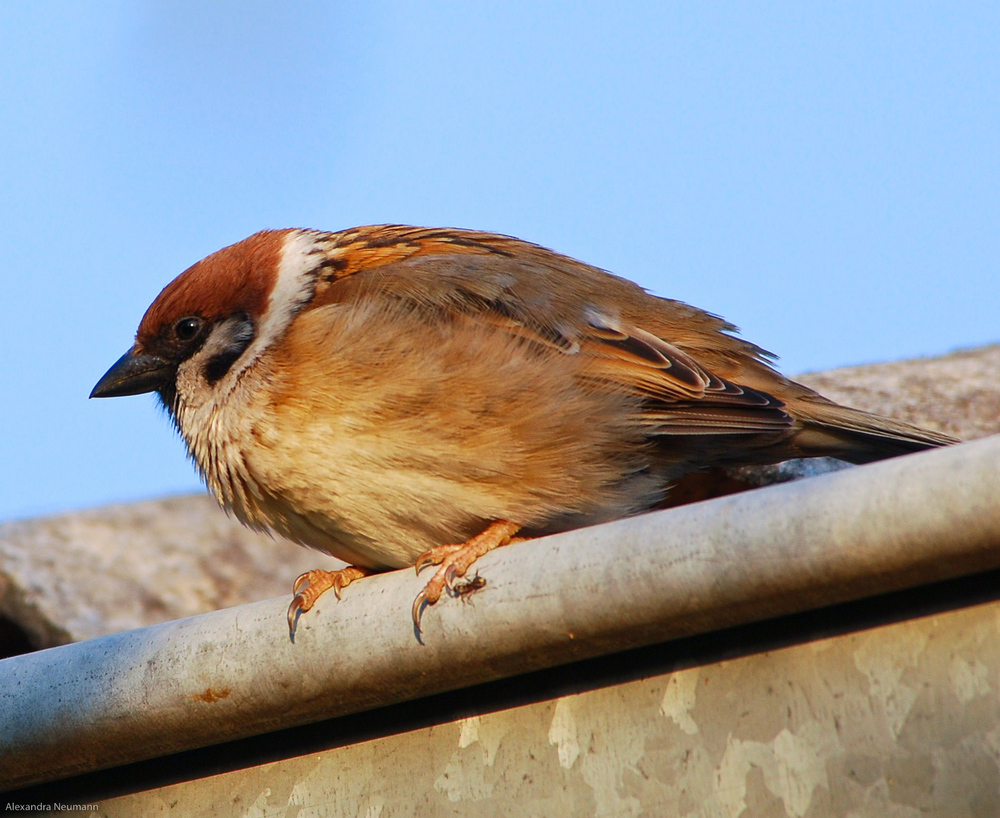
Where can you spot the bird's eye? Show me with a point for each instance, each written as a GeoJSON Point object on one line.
{"type": "Point", "coordinates": [187, 328]}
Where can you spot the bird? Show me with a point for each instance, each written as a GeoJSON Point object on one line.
{"type": "Point", "coordinates": [407, 396]}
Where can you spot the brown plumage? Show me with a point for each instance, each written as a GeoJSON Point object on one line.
{"type": "Point", "coordinates": [384, 391]}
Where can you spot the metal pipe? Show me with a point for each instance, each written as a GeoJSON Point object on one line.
{"type": "Point", "coordinates": [234, 673]}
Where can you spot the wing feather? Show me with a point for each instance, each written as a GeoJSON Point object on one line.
{"type": "Point", "coordinates": [554, 302]}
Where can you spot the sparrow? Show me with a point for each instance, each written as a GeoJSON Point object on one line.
{"type": "Point", "coordinates": [404, 396]}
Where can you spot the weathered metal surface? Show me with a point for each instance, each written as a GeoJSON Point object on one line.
{"type": "Point", "coordinates": [234, 673]}
{"type": "Point", "coordinates": [901, 720]}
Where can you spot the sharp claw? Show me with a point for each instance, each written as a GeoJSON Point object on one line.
{"type": "Point", "coordinates": [423, 562]}
{"type": "Point", "coordinates": [302, 579]}
{"type": "Point", "coordinates": [450, 575]}
{"type": "Point", "coordinates": [293, 616]}
{"type": "Point", "coordinates": [417, 611]}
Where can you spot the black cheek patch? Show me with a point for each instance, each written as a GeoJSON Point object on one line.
{"type": "Point", "coordinates": [242, 335]}
{"type": "Point", "coordinates": [218, 366]}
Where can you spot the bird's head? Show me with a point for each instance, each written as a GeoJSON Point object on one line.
{"type": "Point", "coordinates": [212, 321]}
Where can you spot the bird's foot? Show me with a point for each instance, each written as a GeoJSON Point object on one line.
{"type": "Point", "coordinates": [454, 560]}
{"type": "Point", "coordinates": [311, 585]}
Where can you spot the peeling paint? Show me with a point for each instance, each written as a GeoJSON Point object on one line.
{"type": "Point", "coordinates": [488, 734]}
{"type": "Point", "coordinates": [468, 731]}
{"type": "Point", "coordinates": [800, 765]}
{"type": "Point", "coordinates": [991, 744]}
{"type": "Point", "coordinates": [793, 765]}
{"type": "Point", "coordinates": [878, 802]}
{"type": "Point", "coordinates": [732, 774]}
{"type": "Point", "coordinates": [465, 779]}
{"type": "Point", "coordinates": [562, 733]}
{"type": "Point", "coordinates": [463, 782]}
{"type": "Point", "coordinates": [969, 679]}
{"type": "Point", "coordinates": [679, 699]}
{"type": "Point", "coordinates": [299, 794]}
{"type": "Point", "coordinates": [260, 808]}
{"type": "Point", "coordinates": [611, 741]}
{"type": "Point", "coordinates": [885, 668]}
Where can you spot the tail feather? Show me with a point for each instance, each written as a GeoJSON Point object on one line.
{"type": "Point", "coordinates": [856, 436]}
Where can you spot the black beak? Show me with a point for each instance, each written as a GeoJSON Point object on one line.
{"type": "Point", "coordinates": [133, 374]}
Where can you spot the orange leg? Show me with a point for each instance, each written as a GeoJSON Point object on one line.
{"type": "Point", "coordinates": [455, 560]}
{"type": "Point", "coordinates": [311, 585]}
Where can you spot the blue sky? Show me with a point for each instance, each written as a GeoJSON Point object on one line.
{"type": "Point", "coordinates": [825, 176]}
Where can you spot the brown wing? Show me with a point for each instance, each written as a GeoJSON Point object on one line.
{"type": "Point", "coordinates": [697, 378]}
{"type": "Point", "coordinates": [568, 308]}
{"type": "Point", "coordinates": [683, 397]}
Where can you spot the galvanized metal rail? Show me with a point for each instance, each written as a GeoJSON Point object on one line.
{"type": "Point", "coordinates": [234, 673]}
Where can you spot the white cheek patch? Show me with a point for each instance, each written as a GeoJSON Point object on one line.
{"type": "Point", "coordinates": [294, 285]}
{"type": "Point", "coordinates": [225, 350]}
{"type": "Point", "coordinates": [203, 391]}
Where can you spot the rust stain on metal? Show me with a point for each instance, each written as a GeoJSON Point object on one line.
{"type": "Point", "coordinates": [211, 695]}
